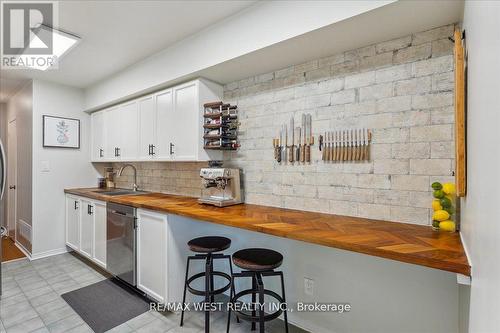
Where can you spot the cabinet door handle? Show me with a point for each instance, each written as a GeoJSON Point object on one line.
{"type": "Point", "coordinates": [150, 150]}
{"type": "Point", "coordinates": [89, 210]}
{"type": "Point", "coordinates": [153, 150]}
{"type": "Point", "coordinates": [76, 204]}
{"type": "Point", "coordinates": [171, 148]}
{"type": "Point", "coordinates": [118, 152]}
{"type": "Point", "coordinates": [115, 152]}
{"type": "Point", "coordinates": [101, 153]}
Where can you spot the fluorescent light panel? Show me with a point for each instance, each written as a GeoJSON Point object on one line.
{"type": "Point", "coordinates": [62, 43]}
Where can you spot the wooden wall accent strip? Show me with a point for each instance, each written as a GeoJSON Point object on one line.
{"type": "Point", "coordinates": [410, 243]}
{"type": "Point", "coordinates": [460, 122]}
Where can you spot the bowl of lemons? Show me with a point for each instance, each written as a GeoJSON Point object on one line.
{"type": "Point", "coordinates": [443, 206]}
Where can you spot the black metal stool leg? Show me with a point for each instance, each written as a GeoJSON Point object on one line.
{"type": "Point", "coordinates": [260, 287]}
{"type": "Point", "coordinates": [208, 269]}
{"type": "Point", "coordinates": [231, 299]}
{"type": "Point", "coordinates": [232, 292]}
{"type": "Point", "coordinates": [284, 300]}
{"type": "Point", "coordinates": [185, 288]}
{"type": "Point", "coordinates": [254, 288]}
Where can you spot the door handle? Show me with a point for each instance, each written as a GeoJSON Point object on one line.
{"type": "Point", "coordinates": [118, 152]}
{"type": "Point", "coordinates": [12, 187]}
{"type": "Point", "coordinates": [101, 153]}
{"type": "Point", "coordinates": [153, 150]}
{"type": "Point", "coordinates": [76, 204]}
{"type": "Point", "coordinates": [89, 210]}
{"type": "Point", "coordinates": [171, 148]}
{"type": "Point", "coordinates": [150, 149]}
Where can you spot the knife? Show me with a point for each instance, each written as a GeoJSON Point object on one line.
{"type": "Point", "coordinates": [292, 134]}
{"type": "Point", "coordinates": [299, 137]}
{"type": "Point", "coordinates": [326, 146]}
{"type": "Point", "coordinates": [280, 141]}
{"type": "Point", "coordinates": [304, 134]}
{"type": "Point", "coordinates": [363, 142]}
{"type": "Point", "coordinates": [368, 144]}
{"type": "Point", "coordinates": [355, 145]}
{"type": "Point", "coordinates": [309, 137]}
{"type": "Point", "coordinates": [360, 142]}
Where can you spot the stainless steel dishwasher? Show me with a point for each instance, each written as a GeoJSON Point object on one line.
{"type": "Point", "coordinates": [121, 242]}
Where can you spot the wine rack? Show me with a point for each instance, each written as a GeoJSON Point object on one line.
{"type": "Point", "coordinates": [220, 126]}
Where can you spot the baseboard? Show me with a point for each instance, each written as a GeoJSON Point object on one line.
{"type": "Point", "coordinates": [23, 250]}
{"type": "Point", "coordinates": [49, 253]}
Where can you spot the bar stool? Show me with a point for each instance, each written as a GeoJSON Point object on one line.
{"type": "Point", "coordinates": [206, 248]}
{"type": "Point", "coordinates": [256, 264]}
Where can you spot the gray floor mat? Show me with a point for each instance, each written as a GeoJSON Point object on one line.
{"type": "Point", "coordinates": [106, 304]}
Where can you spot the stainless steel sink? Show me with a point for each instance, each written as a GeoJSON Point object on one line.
{"type": "Point", "coordinates": [120, 192]}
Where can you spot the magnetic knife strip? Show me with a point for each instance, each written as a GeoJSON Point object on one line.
{"type": "Point", "coordinates": [294, 143]}
{"type": "Point", "coordinates": [345, 145]}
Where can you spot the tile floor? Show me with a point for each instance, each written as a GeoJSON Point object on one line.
{"type": "Point", "coordinates": [31, 302]}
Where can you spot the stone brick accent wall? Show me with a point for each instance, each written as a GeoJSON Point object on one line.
{"type": "Point", "coordinates": [165, 177]}
{"type": "Point", "coordinates": [402, 89]}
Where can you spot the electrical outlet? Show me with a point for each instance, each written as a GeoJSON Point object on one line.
{"type": "Point", "coordinates": [309, 286]}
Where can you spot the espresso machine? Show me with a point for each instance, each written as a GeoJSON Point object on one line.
{"type": "Point", "coordinates": [220, 186]}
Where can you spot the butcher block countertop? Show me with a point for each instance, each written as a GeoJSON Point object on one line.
{"type": "Point", "coordinates": [414, 244]}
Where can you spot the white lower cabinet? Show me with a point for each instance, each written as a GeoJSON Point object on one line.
{"type": "Point", "coordinates": [152, 232]}
{"type": "Point", "coordinates": [73, 222]}
{"type": "Point", "coordinates": [86, 227]}
{"type": "Point", "coordinates": [99, 255]}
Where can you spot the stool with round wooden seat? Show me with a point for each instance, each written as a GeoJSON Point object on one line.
{"type": "Point", "coordinates": [257, 263]}
{"type": "Point", "coordinates": [206, 248]}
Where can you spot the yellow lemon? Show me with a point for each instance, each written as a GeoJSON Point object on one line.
{"type": "Point", "coordinates": [436, 205]}
{"type": "Point", "coordinates": [441, 215]}
{"type": "Point", "coordinates": [447, 225]}
{"type": "Point", "coordinates": [449, 188]}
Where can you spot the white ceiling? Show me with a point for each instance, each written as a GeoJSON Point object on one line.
{"type": "Point", "coordinates": [117, 34]}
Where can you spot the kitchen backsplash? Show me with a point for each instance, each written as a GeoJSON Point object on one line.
{"type": "Point", "coordinates": [401, 89]}
{"type": "Point", "coordinates": [166, 177]}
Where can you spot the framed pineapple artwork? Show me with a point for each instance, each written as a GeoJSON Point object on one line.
{"type": "Point", "coordinates": [59, 132]}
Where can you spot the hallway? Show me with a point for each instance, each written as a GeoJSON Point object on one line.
{"type": "Point", "coordinates": [9, 250]}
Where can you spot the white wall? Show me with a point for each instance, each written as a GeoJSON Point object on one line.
{"type": "Point", "coordinates": [69, 168]}
{"type": "Point", "coordinates": [481, 209]}
{"type": "Point", "coordinates": [20, 108]}
{"type": "Point", "coordinates": [261, 25]}
{"type": "Point", "coordinates": [386, 296]}
{"type": "Point", "coordinates": [3, 137]}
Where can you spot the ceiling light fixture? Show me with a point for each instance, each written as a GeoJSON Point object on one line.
{"type": "Point", "coordinates": [62, 43]}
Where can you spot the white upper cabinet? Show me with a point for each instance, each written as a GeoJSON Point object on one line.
{"type": "Point", "coordinates": [112, 133]}
{"type": "Point", "coordinates": [129, 136]}
{"type": "Point", "coordinates": [186, 113]}
{"type": "Point", "coordinates": [97, 136]}
{"type": "Point", "coordinates": [164, 126]}
{"type": "Point", "coordinates": [147, 128]}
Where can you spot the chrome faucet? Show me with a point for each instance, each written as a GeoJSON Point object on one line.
{"type": "Point", "coordinates": [135, 174]}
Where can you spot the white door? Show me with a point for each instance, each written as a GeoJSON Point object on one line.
{"type": "Point", "coordinates": [147, 128]}
{"type": "Point", "coordinates": [152, 254]}
{"type": "Point", "coordinates": [73, 222]}
{"type": "Point", "coordinates": [11, 178]}
{"type": "Point", "coordinates": [185, 127]}
{"type": "Point", "coordinates": [86, 228]}
{"type": "Point", "coordinates": [165, 124]}
{"type": "Point", "coordinates": [129, 137]}
{"type": "Point", "coordinates": [100, 233]}
{"type": "Point", "coordinates": [112, 124]}
{"type": "Point", "coordinates": [97, 136]}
